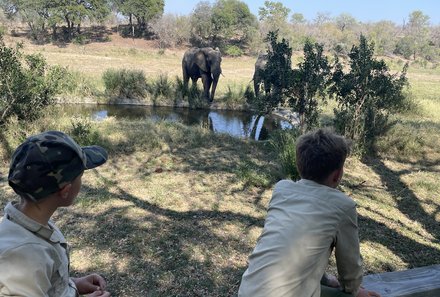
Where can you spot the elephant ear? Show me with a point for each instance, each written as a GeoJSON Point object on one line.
{"type": "Point", "coordinates": [200, 60]}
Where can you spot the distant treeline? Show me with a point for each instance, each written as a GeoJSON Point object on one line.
{"type": "Point", "coordinates": [227, 24]}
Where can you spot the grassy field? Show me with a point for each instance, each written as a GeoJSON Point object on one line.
{"type": "Point", "coordinates": [177, 210]}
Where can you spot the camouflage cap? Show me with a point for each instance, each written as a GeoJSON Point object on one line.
{"type": "Point", "coordinates": [46, 162]}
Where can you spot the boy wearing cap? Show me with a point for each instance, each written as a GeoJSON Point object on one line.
{"type": "Point", "coordinates": [45, 171]}
{"type": "Point", "coordinates": [305, 221]}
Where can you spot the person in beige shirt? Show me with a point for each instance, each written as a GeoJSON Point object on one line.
{"type": "Point", "coordinates": [306, 220]}
{"type": "Point", "coordinates": [46, 172]}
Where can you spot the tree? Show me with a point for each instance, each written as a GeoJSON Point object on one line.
{"type": "Point", "coordinates": [74, 12]}
{"type": "Point", "coordinates": [274, 16]}
{"type": "Point", "coordinates": [277, 75]}
{"type": "Point", "coordinates": [345, 22]}
{"type": "Point", "coordinates": [365, 95]}
{"type": "Point", "coordinates": [309, 82]}
{"type": "Point", "coordinates": [201, 24]}
{"type": "Point", "coordinates": [232, 23]}
{"type": "Point", "coordinates": [383, 34]}
{"type": "Point", "coordinates": [40, 14]}
{"type": "Point", "coordinates": [171, 30]}
{"type": "Point", "coordinates": [416, 33]}
{"type": "Point", "coordinates": [144, 11]}
{"type": "Point", "coordinates": [35, 13]}
{"type": "Point", "coordinates": [298, 19]}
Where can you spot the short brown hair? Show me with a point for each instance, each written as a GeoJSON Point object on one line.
{"type": "Point", "coordinates": [319, 153]}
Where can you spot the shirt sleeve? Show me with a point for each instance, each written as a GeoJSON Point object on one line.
{"type": "Point", "coordinates": [347, 252]}
{"type": "Point", "coordinates": [26, 271]}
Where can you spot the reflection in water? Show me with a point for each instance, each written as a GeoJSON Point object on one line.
{"type": "Point", "coordinates": [235, 123]}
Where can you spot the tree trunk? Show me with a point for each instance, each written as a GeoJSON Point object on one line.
{"type": "Point", "coordinates": [131, 24]}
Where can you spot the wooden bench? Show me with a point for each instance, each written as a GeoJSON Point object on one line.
{"type": "Point", "coordinates": [417, 282]}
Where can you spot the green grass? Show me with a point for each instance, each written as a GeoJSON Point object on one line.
{"type": "Point", "coordinates": [177, 210]}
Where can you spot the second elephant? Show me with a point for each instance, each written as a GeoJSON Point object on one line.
{"type": "Point", "coordinates": [204, 63]}
{"type": "Point", "coordinates": [260, 66]}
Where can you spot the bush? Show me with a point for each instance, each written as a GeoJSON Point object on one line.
{"type": "Point", "coordinates": [27, 84]}
{"type": "Point", "coordinates": [161, 87]}
{"type": "Point", "coordinates": [125, 83]}
{"type": "Point", "coordinates": [233, 51]}
{"type": "Point", "coordinates": [284, 144]}
{"type": "Point", "coordinates": [83, 132]}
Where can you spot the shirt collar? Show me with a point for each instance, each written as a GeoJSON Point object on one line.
{"type": "Point", "coordinates": [49, 234]}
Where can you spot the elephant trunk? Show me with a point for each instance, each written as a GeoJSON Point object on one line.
{"type": "Point", "coordinates": [215, 76]}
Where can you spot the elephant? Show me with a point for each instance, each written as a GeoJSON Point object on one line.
{"type": "Point", "coordinates": [260, 66]}
{"type": "Point", "coordinates": [202, 63]}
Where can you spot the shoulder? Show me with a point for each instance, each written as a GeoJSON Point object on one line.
{"type": "Point", "coordinates": [341, 200]}
{"type": "Point", "coordinates": [16, 240]}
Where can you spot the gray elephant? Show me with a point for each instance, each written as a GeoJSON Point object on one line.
{"type": "Point", "coordinates": [202, 63]}
{"type": "Point", "coordinates": [260, 66]}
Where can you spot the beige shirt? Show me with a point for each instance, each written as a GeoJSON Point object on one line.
{"type": "Point", "coordinates": [33, 258]}
{"type": "Point", "coordinates": [305, 220]}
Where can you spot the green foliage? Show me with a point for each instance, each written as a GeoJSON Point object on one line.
{"type": "Point", "coordinates": [27, 84]}
{"type": "Point", "coordinates": [80, 40]}
{"type": "Point", "coordinates": [309, 82]}
{"type": "Point", "coordinates": [273, 16]}
{"type": "Point", "coordinates": [226, 22]}
{"type": "Point", "coordinates": [41, 14]}
{"type": "Point", "coordinates": [143, 10]}
{"type": "Point", "coordinates": [83, 132]}
{"type": "Point", "coordinates": [195, 97]}
{"type": "Point", "coordinates": [161, 87]}
{"type": "Point", "coordinates": [366, 95]}
{"type": "Point", "coordinates": [300, 88]}
{"type": "Point", "coordinates": [233, 51]}
{"type": "Point", "coordinates": [284, 144]}
{"type": "Point", "coordinates": [234, 97]}
{"type": "Point", "coordinates": [75, 84]}
{"type": "Point", "coordinates": [125, 83]}
{"type": "Point", "coordinates": [277, 75]}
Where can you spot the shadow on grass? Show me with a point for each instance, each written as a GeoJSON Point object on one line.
{"type": "Point", "coordinates": [410, 251]}
{"type": "Point", "coordinates": [164, 252]}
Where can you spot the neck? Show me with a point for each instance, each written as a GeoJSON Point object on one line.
{"type": "Point", "coordinates": [40, 212]}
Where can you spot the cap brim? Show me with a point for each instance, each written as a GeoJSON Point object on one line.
{"type": "Point", "coordinates": [96, 156]}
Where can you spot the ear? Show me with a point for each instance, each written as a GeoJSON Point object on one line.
{"type": "Point", "coordinates": [336, 176]}
{"type": "Point", "coordinates": [200, 60]}
{"type": "Point", "coordinates": [64, 192]}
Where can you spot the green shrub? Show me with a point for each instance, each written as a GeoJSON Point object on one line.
{"type": "Point", "coordinates": [233, 51]}
{"type": "Point", "coordinates": [233, 98]}
{"type": "Point", "coordinates": [27, 84]}
{"type": "Point", "coordinates": [161, 87]}
{"type": "Point", "coordinates": [80, 40]}
{"type": "Point", "coordinates": [284, 144]}
{"type": "Point", "coordinates": [77, 84]}
{"type": "Point", "coordinates": [125, 83]}
{"type": "Point", "coordinates": [83, 131]}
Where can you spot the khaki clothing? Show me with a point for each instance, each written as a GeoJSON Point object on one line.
{"type": "Point", "coordinates": [305, 221]}
{"type": "Point", "coordinates": [34, 259]}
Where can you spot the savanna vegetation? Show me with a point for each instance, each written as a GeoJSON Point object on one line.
{"type": "Point", "coordinates": [177, 209]}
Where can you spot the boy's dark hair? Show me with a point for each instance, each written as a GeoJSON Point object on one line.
{"type": "Point", "coordinates": [319, 153]}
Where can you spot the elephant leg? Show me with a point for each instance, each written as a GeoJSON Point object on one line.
{"type": "Point", "coordinates": [256, 86]}
{"type": "Point", "coordinates": [207, 81]}
{"type": "Point", "coordinates": [185, 78]}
